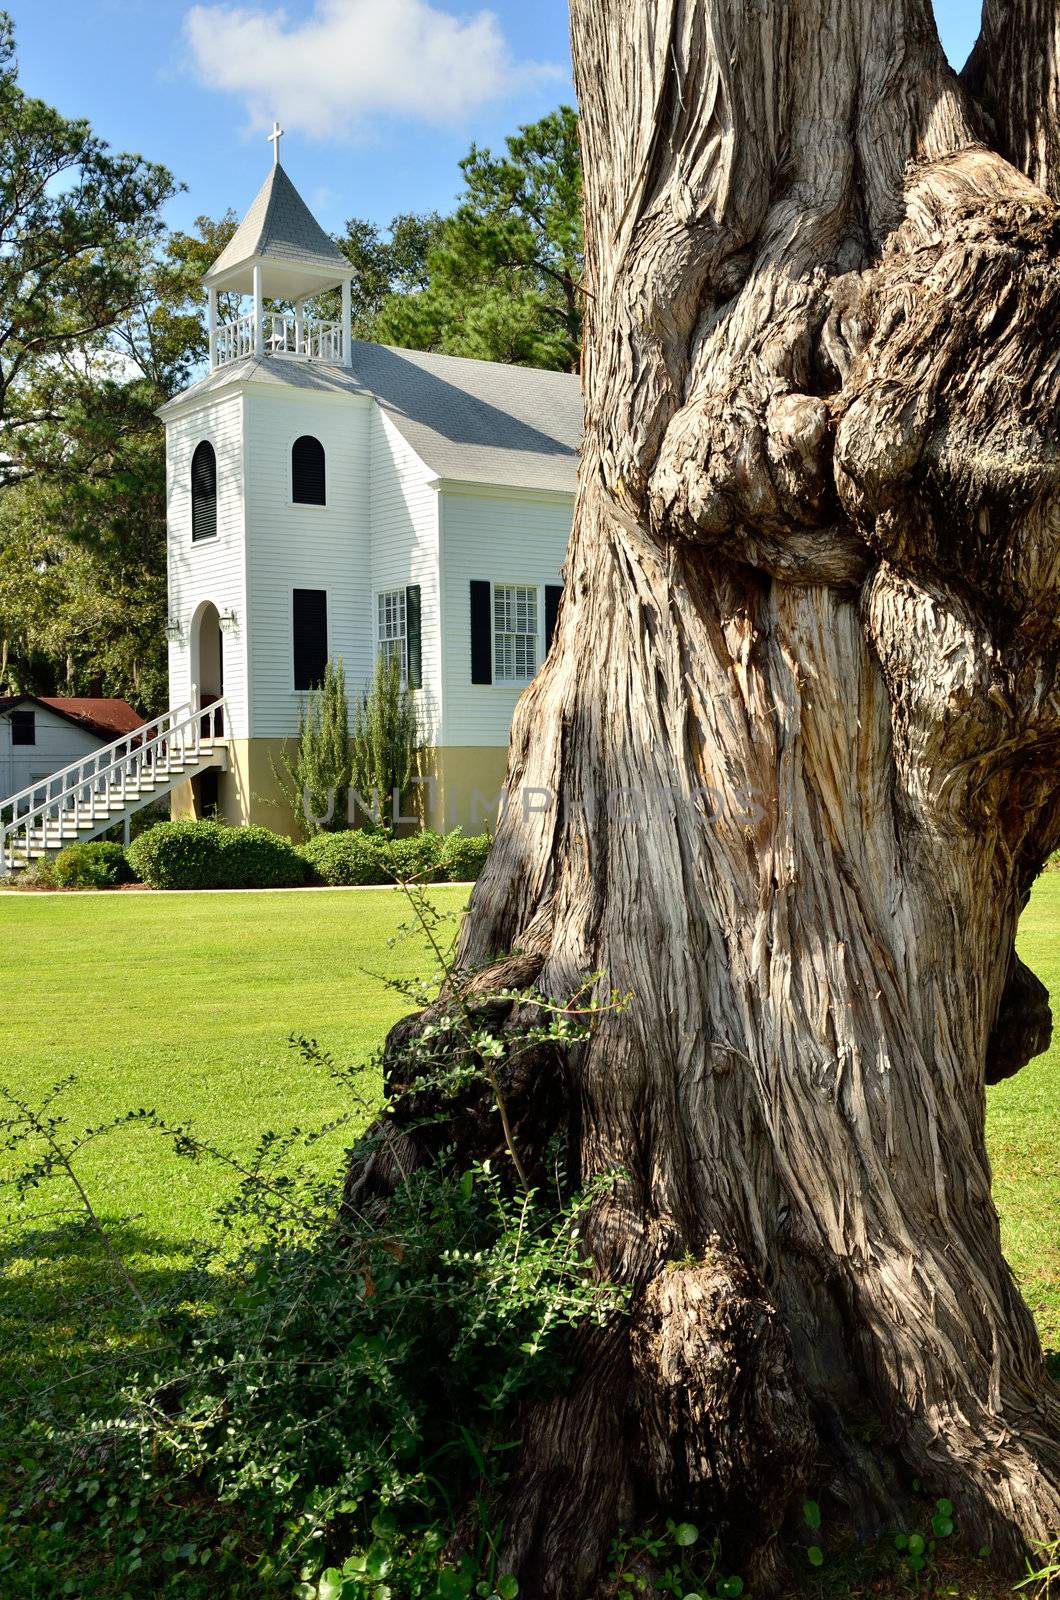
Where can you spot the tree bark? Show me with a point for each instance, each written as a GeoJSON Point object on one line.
{"type": "Point", "coordinates": [801, 729]}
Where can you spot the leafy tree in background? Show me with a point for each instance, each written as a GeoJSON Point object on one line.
{"type": "Point", "coordinates": [75, 222]}
{"type": "Point", "coordinates": [387, 267]}
{"type": "Point", "coordinates": [503, 275]}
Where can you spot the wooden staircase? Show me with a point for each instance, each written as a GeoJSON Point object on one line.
{"type": "Point", "coordinates": [111, 785]}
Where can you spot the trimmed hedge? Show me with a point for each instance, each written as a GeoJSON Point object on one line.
{"type": "Point", "coordinates": [94, 864]}
{"type": "Point", "coordinates": [362, 857]}
{"type": "Point", "coordinates": [210, 855]}
{"type": "Point", "coordinates": [464, 855]}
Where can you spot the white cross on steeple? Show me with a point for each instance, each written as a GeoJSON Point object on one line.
{"type": "Point", "coordinates": [274, 139]}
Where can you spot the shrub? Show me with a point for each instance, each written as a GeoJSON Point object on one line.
{"type": "Point", "coordinates": [315, 779]}
{"type": "Point", "coordinates": [343, 859]}
{"type": "Point", "coordinates": [209, 855]}
{"type": "Point", "coordinates": [95, 864]}
{"type": "Point", "coordinates": [415, 856]}
{"type": "Point", "coordinates": [384, 737]}
{"type": "Point", "coordinates": [462, 858]}
{"type": "Point", "coordinates": [38, 875]}
{"type": "Point", "coordinates": [363, 856]}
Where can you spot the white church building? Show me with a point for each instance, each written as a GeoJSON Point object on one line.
{"type": "Point", "coordinates": [329, 498]}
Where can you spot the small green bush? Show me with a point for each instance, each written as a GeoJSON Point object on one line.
{"type": "Point", "coordinates": [343, 859]}
{"type": "Point", "coordinates": [39, 875]}
{"type": "Point", "coordinates": [364, 856]}
{"type": "Point", "coordinates": [94, 864]}
{"type": "Point", "coordinates": [415, 856]}
{"type": "Point", "coordinates": [209, 855]}
{"type": "Point", "coordinates": [462, 856]}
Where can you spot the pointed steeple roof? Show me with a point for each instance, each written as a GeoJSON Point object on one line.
{"type": "Point", "coordinates": [281, 232]}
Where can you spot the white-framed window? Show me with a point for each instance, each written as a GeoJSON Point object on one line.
{"type": "Point", "coordinates": [392, 634]}
{"type": "Point", "coordinates": [516, 631]}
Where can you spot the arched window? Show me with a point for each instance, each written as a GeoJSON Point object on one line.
{"type": "Point", "coordinates": [308, 484]}
{"type": "Point", "coordinates": [203, 492]}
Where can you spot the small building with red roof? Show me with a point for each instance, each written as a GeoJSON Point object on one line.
{"type": "Point", "coordinates": [42, 734]}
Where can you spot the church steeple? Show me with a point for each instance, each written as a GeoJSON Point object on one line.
{"type": "Point", "coordinates": [279, 252]}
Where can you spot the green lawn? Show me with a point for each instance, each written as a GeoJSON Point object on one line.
{"type": "Point", "coordinates": [184, 1003]}
{"type": "Point", "coordinates": [1023, 1130]}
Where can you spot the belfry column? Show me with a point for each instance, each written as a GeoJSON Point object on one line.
{"type": "Point", "coordinates": [211, 324]}
{"type": "Point", "coordinates": [259, 312]}
{"type": "Point", "coordinates": [347, 324]}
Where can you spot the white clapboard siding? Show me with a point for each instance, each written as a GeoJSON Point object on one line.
{"type": "Point", "coordinates": [517, 536]}
{"type": "Point", "coordinates": [405, 549]}
{"type": "Point", "coordinates": [305, 547]}
{"type": "Point", "coordinates": [57, 743]}
{"type": "Point", "coordinates": [213, 569]}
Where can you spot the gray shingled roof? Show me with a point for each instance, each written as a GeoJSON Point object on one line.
{"type": "Point", "coordinates": [468, 421]}
{"type": "Point", "coordinates": [479, 421]}
{"type": "Point", "coordinates": [281, 226]}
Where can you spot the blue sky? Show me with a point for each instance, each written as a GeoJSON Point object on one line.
{"type": "Point", "coordinates": [380, 98]}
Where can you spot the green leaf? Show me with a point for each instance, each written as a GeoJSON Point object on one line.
{"type": "Point", "coordinates": [815, 1556]}
{"type": "Point", "coordinates": [944, 1508]}
{"type": "Point", "coordinates": [811, 1514]}
{"type": "Point", "coordinates": [984, 1552]}
{"type": "Point", "coordinates": [452, 1585]}
{"type": "Point", "coordinates": [508, 1587]}
{"type": "Point", "coordinates": [377, 1562]}
{"type": "Point", "coordinates": [901, 1541]}
{"type": "Point", "coordinates": [917, 1563]}
{"type": "Point", "coordinates": [942, 1526]}
{"type": "Point", "coordinates": [685, 1534]}
{"type": "Point", "coordinates": [384, 1525]}
{"type": "Point", "coordinates": [331, 1585]}
{"type": "Point", "coordinates": [731, 1587]}
{"type": "Point", "coordinates": [917, 1544]}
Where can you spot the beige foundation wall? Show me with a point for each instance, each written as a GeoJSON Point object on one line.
{"type": "Point", "coordinates": [467, 781]}
{"type": "Point", "coordinates": [182, 802]}
{"type": "Point", "coordinates": [462, 788]}
{"type": "Point", "coordinates": [249, 789]}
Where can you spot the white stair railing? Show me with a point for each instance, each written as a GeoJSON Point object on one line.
{"type": "Point", "coordinates": [99, 788]}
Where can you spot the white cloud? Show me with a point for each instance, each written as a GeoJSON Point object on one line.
{"type": "Point", "coordinates": [352, 60]}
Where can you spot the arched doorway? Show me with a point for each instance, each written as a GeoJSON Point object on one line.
{"type": "Point", "coordinates": [207, 653]}
{"type": "Point", "coordinates": [208, 679]}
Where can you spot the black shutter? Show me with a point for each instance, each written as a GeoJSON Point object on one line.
{"type": "Point", "coordinates": [23, 727]}
{"type": "Point", "coordinates": [310, 637]}
{"type": "Point", "coordinates": [481, 632]}
{"type": "Point", "coordinates": [203, 492]}
{"type": "Point", "coordinates": [308, 472]}
{"type": "Point", "coordinates": [553, 596]}
{"type": "Point", "coordinates": [413, 643]}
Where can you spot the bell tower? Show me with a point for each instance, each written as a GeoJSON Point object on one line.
{"type": "Point", "coordinates": [282, 261]}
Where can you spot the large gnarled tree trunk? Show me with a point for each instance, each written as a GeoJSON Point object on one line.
{"type": "Point", "coordinates": [802, 726]}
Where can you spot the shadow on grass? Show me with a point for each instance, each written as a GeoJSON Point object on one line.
{"type": "Point", "coordinates": [70, 1323]}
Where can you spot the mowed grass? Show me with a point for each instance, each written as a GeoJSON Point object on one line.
{"type": "Point", "coordinates": [1023, 1132]}
{"type": "Point", "coordinates": [185, 1003]}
